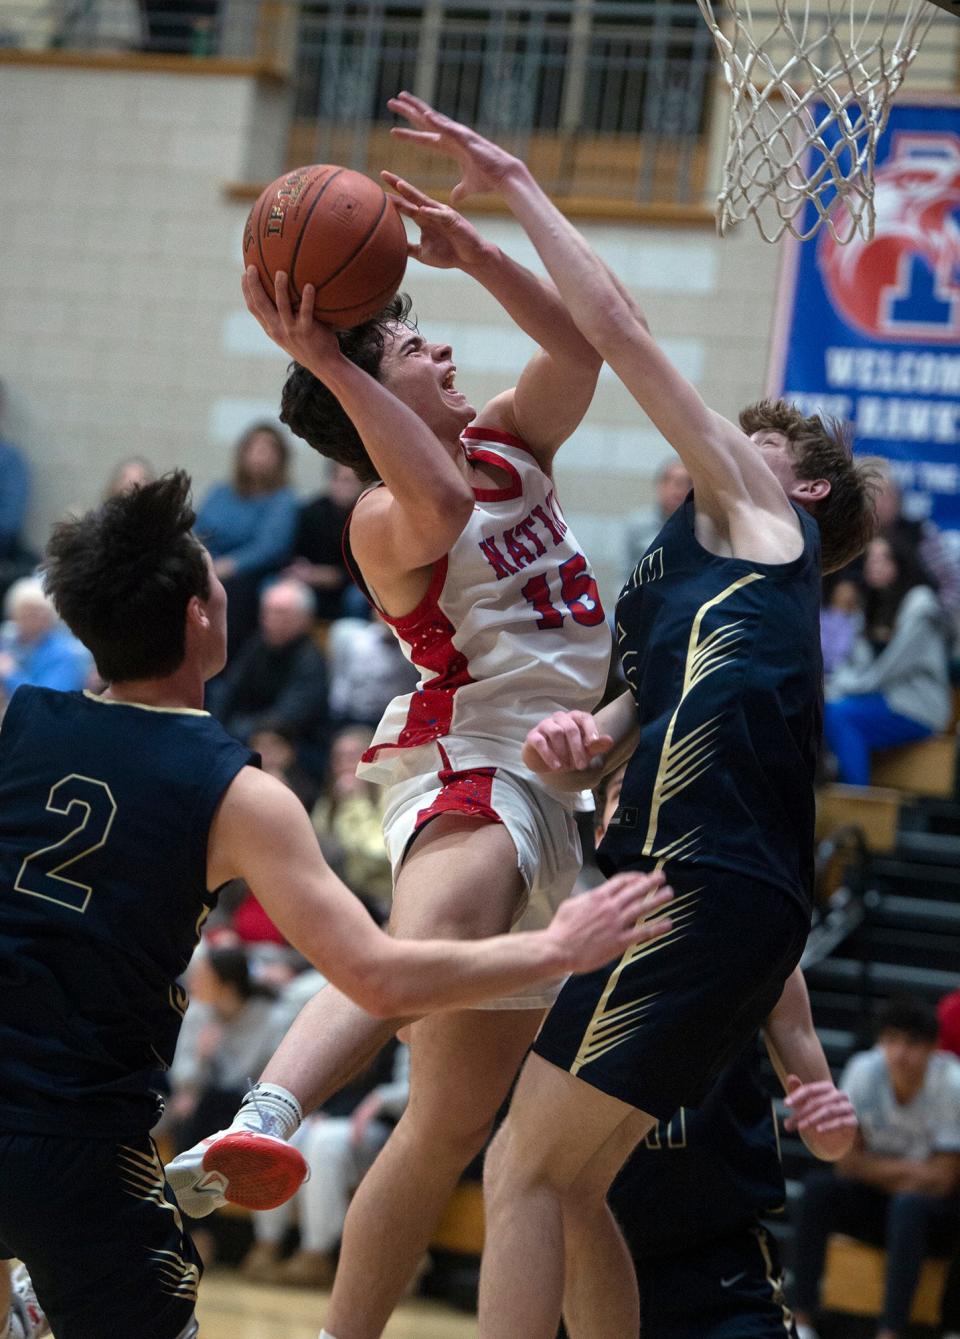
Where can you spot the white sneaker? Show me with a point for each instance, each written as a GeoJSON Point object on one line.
{"type": "Point", "coordinates": [25, 1305]}
{"type": "Point", "coordinates": [257, 1171]}
{"type": "Point", "coordinates": [806, 1332]}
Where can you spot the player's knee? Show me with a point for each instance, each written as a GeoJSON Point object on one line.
{"type": "Point", "coordinates": [451, 1133]}
{"type": "Point", "coordinates": [512, 1162]}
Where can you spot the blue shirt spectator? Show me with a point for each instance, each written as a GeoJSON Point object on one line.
{"type": "Point", "coordinates": [254, 534]}
{"type": "Point", "coordinates": [35, 648]}
{"type": "Point", "coordinates": [14, 495]}
{"type": "Point", "coordinates": [248, 524]}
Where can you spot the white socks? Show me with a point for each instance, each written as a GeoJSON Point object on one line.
{"type": "Point", "coordinates": [325, 1334]}
{"type": "Point", "coordinates": [269, 1109]}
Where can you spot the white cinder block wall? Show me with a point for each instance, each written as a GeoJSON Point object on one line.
{"type": "Point", "coordinates": [122, 329]}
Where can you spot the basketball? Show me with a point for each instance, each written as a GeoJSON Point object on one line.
{"type": "Point", "coordinates": [333, 228]}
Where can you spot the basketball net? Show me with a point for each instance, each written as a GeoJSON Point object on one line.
{"type": "Point", "coordinates": [811, 85]}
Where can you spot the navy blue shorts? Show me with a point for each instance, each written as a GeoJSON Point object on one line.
{"type": "Point", "coordinates": [100, 1232]}
{"type": "Point", "coordinates": [726, 1289]}
{"type": "Point", "coordinates": [656, 1027]}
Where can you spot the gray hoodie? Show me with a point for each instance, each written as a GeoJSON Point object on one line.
{"type": "Point", "coordinates": [911, 672]}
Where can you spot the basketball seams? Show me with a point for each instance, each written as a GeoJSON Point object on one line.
{"type": "Point", "coordinates": [325, 226]}
{"type": "Point", "coordinates": [321, 285]}
{"type": "Point", "coordinates": [263, 267]}
{"type": "Point", "coordinates": [385, 293]}
{"type": "Point", "coordinates": [303, 228]}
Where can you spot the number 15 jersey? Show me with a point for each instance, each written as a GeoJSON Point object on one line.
{"type": "Point", "coordinates": [510, 630]}
{"type": "Point", "coordinates": [105, 811]}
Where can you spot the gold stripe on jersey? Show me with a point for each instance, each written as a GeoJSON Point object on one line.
{"type": "Point", "coordinates": [775, 1281]}
{"type": "Point", "coordinates": [685, 759]}
{"type": "Point", "coordinates": [143, 1178]}
{"type": "Point", "coordinates": [178, 1277]}
{"type": "Point", "coordinates": [681, 848]}
{"type": "Point", "coordinates": [178, 999]}
{"type": "Point", "coordinates": [608, 1028]}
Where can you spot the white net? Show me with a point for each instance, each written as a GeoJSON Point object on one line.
{"type": "Point", "coordinates": [811, 83]}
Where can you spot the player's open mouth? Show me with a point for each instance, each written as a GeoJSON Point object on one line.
{"type": "Point", "coordinates": [448, 388]}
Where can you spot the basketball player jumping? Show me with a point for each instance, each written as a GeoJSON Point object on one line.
{"type": "Point", "coordinates": [718, 629]}
{"type": "Point", "coordinates": [117, 814]}
{"type": "Point", "coordinates": [463, 548]}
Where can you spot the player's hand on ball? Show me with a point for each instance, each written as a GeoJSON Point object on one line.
{"type": "Point", "coordinates": [298, 333]}
{"type": "Point", "coordinates": [483, 164]}
{"type": "Point", "coordinates": [601, 925]}
{"type": "Point", "coordinates": [822, 1115]}
{"type": "Point", "coordinates": [567, 741]}
{"type": "Point", "coordinates": [447, 240]}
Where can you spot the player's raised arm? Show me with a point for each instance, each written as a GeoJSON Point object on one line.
{"type": "Point", "coordinates": [555, 388]}
{"type": "Point", "coordinates": [429, 500]}
{"type": "Point", "coordinates": [729, 476]}
{"type": "Point", "coordinates": [262, 834]}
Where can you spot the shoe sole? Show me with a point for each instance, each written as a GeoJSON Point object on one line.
{"type": "Point", "coordinates": [259, 1173]}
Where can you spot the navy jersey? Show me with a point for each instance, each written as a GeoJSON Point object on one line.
{"type": "Point", "coordinates": [105, 810]}
{"type": "Point", "coordinates": [707, 1172]}
{"type": "Point", "coordinates": [722, 656]}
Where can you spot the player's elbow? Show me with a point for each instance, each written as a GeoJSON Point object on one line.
{"type": "Point", "coordinates": [367, 985]}
{"type": "Point", "coordinates": [615, 329]}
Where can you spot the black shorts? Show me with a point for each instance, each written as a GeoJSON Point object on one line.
{"type": "Point", "coordinates": [100, 1232]}
{"type": "Point", "coordinates": [726, 1289]}
{"type": "Point", "coordinates": [657, 1026]}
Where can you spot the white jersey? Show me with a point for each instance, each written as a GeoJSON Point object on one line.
{"type": "Point", "coordinates": [510, 630]}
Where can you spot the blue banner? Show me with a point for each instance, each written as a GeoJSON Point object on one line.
{"type": "Point", "coordinates": [870, 331]}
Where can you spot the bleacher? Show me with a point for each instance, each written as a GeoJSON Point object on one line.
{"type": "Point", "coordinates": [890, 858]}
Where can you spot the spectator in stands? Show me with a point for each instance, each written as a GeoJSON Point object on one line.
{"type": "Point", "coordinates": [367, 670]}
{"type": "Point", "coordinates": [898, 1188]}
{"type": "Point", "coordinates": [894, 687]}
{"type": "Point", "coordinates": [35, 647]}
{"type": "Point", "coordinates": [923, 538]}
{"type": "Point", "coordinates": [318, 546]}
{"type": "Point", "coordinates": [339, 1151]}
{"type": "Point", "coordinates": [278, 681]}
{"type": "Point", "coordinates": [15, 561]}
{"type": "Point", "coordinates": [248, 524]}
{"type": "Point", "coordinates": [133, 472]}
{"type": "Point", "coordinates": [278, 757]}
{"type": "Point", "coordinates": [841, 619]}
{"type": "Point", "coordinates": [671, 485]}
{"type": "Point", "coordinates": [348, 821]}
{"type": "Point", "coordinates": [228, 1034]}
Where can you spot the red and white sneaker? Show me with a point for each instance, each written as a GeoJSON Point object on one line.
{"type": "Point", "coordinates": [257, 1171]}
{"type": "Point", "coordinates": [25, 1306]}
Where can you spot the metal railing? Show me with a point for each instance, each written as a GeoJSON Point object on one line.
{"type": "Point", "coordinates": [605, 98]}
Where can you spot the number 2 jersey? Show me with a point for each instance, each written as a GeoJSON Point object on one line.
{"type": "Point", "coordinates": [105, 810]}
{"type": "Point", "coordinates": [510, 630]}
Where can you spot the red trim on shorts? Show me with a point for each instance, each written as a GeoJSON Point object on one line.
{"type": "Point", "coordinates": [429, 633]}
{"type": "Point", "coordinates": [469, 793]}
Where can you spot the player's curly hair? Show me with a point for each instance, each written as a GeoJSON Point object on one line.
{"type": "Point", "coordinates": [822, 449]}
{"type": "Point", "coordinates": [314, 413]}
{"type": "Point", "coordinates": [121, 578]}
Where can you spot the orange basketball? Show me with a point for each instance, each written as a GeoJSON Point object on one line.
{"type": "Point", "coordinates": [333, 228]}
